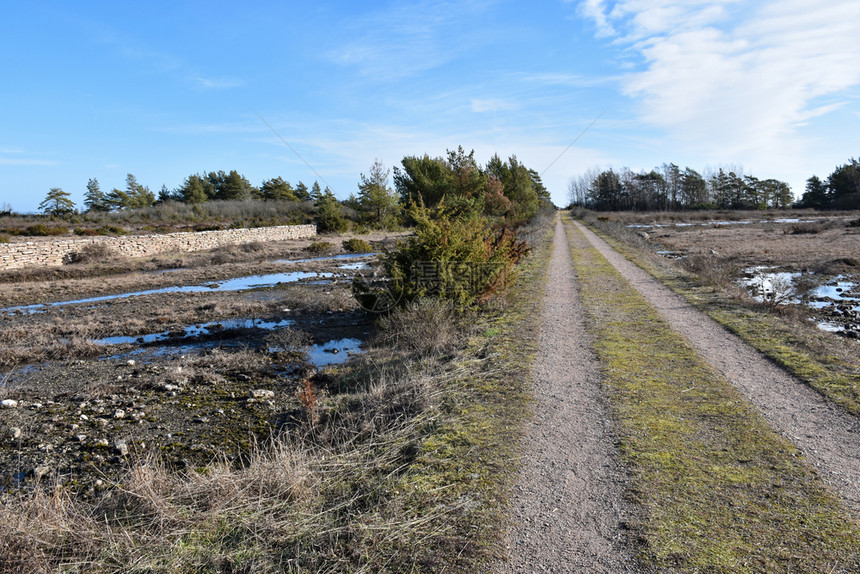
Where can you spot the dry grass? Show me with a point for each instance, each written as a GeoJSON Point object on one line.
{"type": "Point", "coordinates": [425, 327]}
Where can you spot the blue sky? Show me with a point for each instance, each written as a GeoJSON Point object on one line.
{"type": "Point", "coordinates": [163, 90]}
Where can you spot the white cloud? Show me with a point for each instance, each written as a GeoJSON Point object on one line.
{"type": "Point", "coordinates": [218, 83]}
{"type": "Point", "coordinates": [492, 105]}
{"type": "Point", "coordinates": [737, 79]}
{"type": "Point", "coordinates": [25, 161]}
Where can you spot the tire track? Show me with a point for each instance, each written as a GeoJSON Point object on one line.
{"type": "Point", "coordinates": [568, 509]}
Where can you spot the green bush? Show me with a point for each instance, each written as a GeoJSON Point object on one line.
{"type": "Point", "coordinates": [319, 247]}
{"type": "Point", "coordinates": [357, 246]}
{"type": "Point", "coordinates": [4, 239]}
{"type": "Point", "coordinates": [459, 258]}
{"type": "Point", "coordinates": [42, 230]}
{"type": "Point", "coordinates": [86, 232]}
{"type": "Point", "coordinates": [111, 230]}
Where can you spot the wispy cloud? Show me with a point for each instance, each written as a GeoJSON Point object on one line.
{"type": "Point", "coordinates": [732, 76]}
{"type": "Point", "coordinates": [492, 105]}
{"type": "Point", "coordinates": [409, 38]}
{"type": "Point", "coordinates": [217, 83]}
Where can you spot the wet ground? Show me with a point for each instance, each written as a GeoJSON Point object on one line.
{"type": "Point", "coordinates": [811, 260]}
{"type": "Point", "coordinates": [189, 364]}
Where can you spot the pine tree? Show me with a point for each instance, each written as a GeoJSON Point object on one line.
{"type": "Point", "coordinates": [57, 202]}
{"type": "Point", "coordinates": [94, 198]}
{"type": "Point", "coordinates": [377, 201]}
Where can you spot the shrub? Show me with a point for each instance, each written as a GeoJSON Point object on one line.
{"type": "Point", "coordinates": [319, 247]}
{"type": "Point", "coordinates": [426, 327]}
{"type": "Point", "coordinates": [355, 245]}
{"type": "Point", "coordinates": [4, 239]}
{"type": "Point", "coordinates": [86, 232]}
{"type": "Point", "coordinates": [111, 230]}
{"type": "Point", "coordinates": [42, 230]}
{"type": "Point", "coordinates": [460, 258]}
{"type": "Point", "coordinates": [92, 253]}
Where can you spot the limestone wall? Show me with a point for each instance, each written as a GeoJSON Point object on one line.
{"type": "Point", "coordinates": [56, 252]}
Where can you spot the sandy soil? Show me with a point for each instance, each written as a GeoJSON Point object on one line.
{"type": "Point", "coordinates": [568, 509]}
{"type": "Point", "coordinates": [827, 435]}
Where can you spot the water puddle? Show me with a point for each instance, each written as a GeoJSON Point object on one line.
{"type": "Point", "coordinates": [333, 352]}
{"type": "Point", "coordinates": [836, 302]}
{"type": "Point", "coordinates": [235, 284]}
{"type": "Point", "coordinates": [194, 331]}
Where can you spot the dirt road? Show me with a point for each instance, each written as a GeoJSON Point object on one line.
{"type": "Point", "coordinates": [568, 511]}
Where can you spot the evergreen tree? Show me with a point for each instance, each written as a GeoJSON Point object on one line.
{"type": "Point", "coordinates": [815, 195]}
{"type": "Point", "coordinates": [277, 189]}
{"type": "Point", "coordinates": [193, 190]}
{"type": "Point", "coordinates": [94, 198]}
{"type": "Point", "coordinates": [316, 192]}
{"type": "Point", "coordinates": [302, 192]}
{"type": "Point", "coordinates": [377, 201]}
{"type": "Point", "coordinates": [57, 202]}
{"type": "Point", "coordinates": [330, 218]}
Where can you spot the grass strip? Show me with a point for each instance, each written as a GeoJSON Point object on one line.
{"type": "Point", "coordinates": [473, 455]}
{"type": "Point", "coordinates": [812, 357]}
{"type": "Point", "coordinates": [720, 490]}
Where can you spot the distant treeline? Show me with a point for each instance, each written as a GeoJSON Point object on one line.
{"type": "Point", "coordinates": [669, 188]}
{"type": "Point", "coordinates": [505, 190]}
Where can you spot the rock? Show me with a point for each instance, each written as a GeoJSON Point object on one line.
{"type": "Point", "coordinates": [41, 471]}
{"type": "Point", "coordinates": [102, 442]}
{"type": "Point", "coordinates": [244, 378]}
{"type": "Point", "coordinates": [131, 362]}
{"type": "Point", "coordinates": [80, 437]}
{"type": "Point", "coordinates": [121, 447]}
{"type": "Point", "coordinates": [201, 419]}
{"type": "Point", "coordinates": [14, 432]}
{"type": "Point", "coordinates": [261, 394]}
{"type": "Point", "coordinates": [169, 388]}
{"type": "Point", "coordinates": [119, 414]}
{"type": "Point", "coordinates": [9, 404]}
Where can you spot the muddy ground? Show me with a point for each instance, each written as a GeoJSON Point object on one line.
{"type": "Point", "coordinates": [196, 376]}
{"type": "Point", "coordinates": [817, 249]}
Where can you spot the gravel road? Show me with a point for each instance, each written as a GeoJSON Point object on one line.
{"type": "Point", "coordinates": [568, 510]}
{"type": "Point", "coordinates": [828, 436]}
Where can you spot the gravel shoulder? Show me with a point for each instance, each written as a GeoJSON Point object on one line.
{"type": "Point", "coordinates": [568, 508]}
{"type": "Point", "coordinates": [826, 434]}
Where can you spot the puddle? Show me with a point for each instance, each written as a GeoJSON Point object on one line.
{"type": "Point", "coordinates": [334, 352]}
{"type": "Point", "coordinates": [764, 284]}
{"type": "Point", "coordinates": [199, 330]}
{"type": "Point", "coordinates": [235, 284]}
{"type": "Point", "coordinates": [838, 299]}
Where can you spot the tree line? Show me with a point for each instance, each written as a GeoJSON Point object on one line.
{"type": "Point", "coordinates": [839, 190]}
{"type": "Point", "coordinates": [503, 189]}
{"type": "Point", "coordinates": [669, 188]}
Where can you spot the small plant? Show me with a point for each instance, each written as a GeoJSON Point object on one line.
{"type": "Point", "coordinates": [4, 239]}
{"type": "Point", "coordinates": [319, 247]}
{"type": "Point", "coordinates": [355, 245]}
{"type": "Point", "coordinates": [308, 398]}
{"type": "Point", "coordinates": [86, 232]}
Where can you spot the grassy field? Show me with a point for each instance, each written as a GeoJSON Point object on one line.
{"type": "Point", "coordinates": [720, 490]}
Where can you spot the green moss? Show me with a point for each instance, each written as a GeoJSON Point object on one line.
{"type": "Point", "coordinates": [720, 490]}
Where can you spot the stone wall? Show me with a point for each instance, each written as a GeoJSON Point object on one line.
{"type": "Point", "coordinates": [57, 252]}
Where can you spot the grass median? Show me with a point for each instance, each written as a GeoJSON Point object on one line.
{"type": "Point", "coordinates": [720, 490]}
